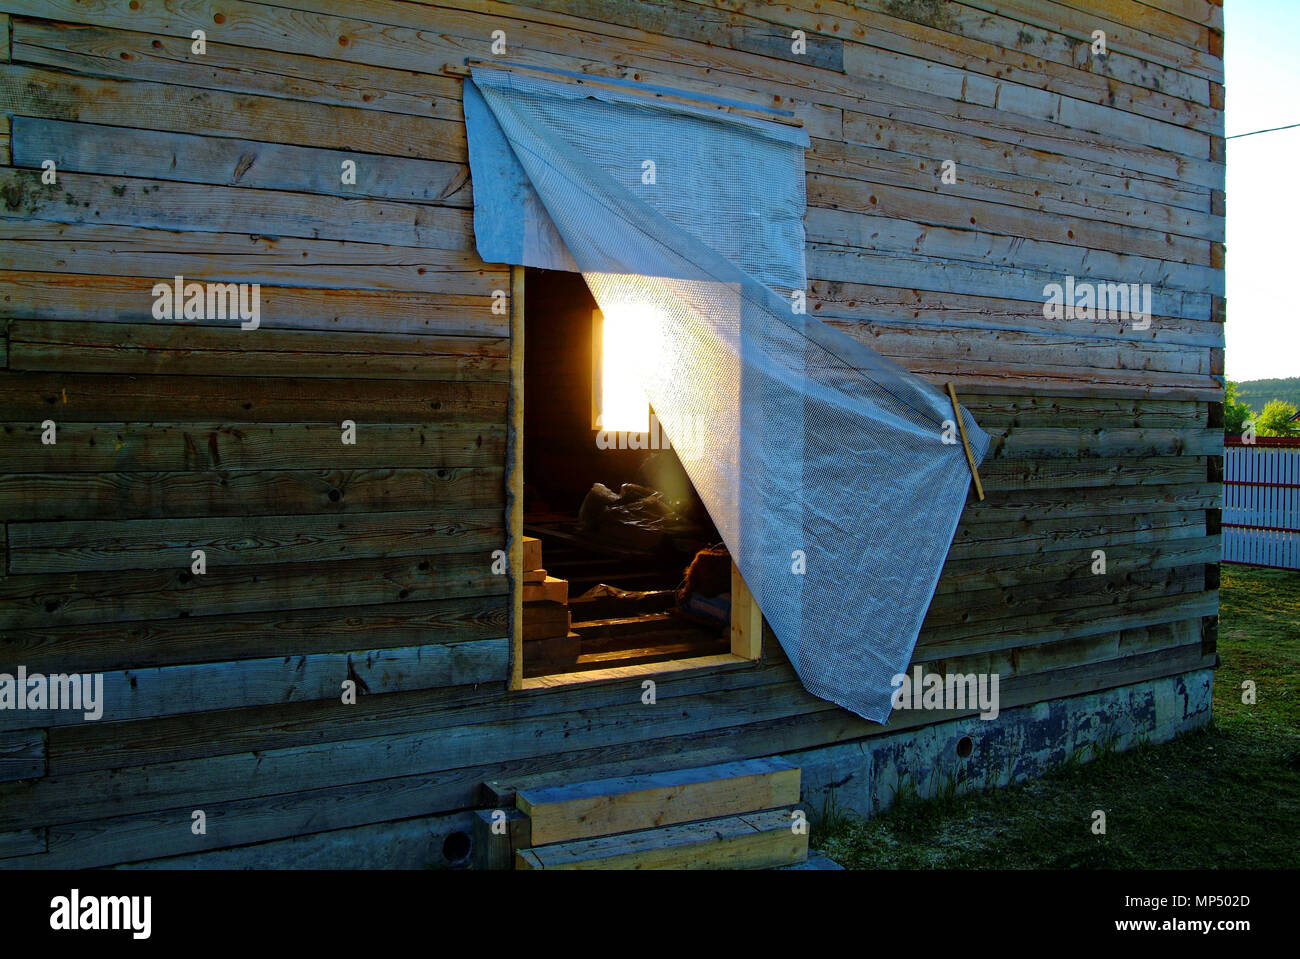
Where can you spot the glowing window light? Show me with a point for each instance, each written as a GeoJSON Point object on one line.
{"type": "Point", "coordinates": [619, 342]}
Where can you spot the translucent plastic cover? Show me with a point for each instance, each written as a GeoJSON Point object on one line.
{"type": "Point", "coordinates": [834, 476]}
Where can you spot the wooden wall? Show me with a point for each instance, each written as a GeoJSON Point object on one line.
{"type": "Point", "coordinates": [371, 561]}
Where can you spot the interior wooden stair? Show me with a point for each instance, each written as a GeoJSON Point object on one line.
{"type": "Point", "coordinates": [739, 815]}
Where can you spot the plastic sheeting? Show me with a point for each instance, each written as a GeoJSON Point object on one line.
{"type": "Point", "coordinates": [823, 465]}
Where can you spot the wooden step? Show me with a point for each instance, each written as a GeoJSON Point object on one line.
{"type": "Point", "coordinates": [607, 806]}
{"type": "Point", "coordinates": [760, 840]}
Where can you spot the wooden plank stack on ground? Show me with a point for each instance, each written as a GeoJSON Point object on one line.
{"type": "Point", "coordinates": [548, 624]}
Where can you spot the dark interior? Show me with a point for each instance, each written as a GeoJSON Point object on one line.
{"type": "Point", "coordinates": [624, 567]}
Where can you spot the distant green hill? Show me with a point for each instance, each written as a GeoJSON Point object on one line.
{"type": "Point", "coordinates": [1258, 393]}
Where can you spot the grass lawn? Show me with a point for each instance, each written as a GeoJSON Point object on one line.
{"type": "Point", "coordinates": [1224, 797]}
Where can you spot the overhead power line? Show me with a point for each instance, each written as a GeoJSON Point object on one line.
{"type": "Point", "coordinates": [1269, 130]}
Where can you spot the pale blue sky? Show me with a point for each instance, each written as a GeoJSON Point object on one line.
{"type": "Point", "coordinates": [1262, 89]}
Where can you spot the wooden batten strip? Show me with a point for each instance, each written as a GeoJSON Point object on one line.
{"type": "Point", "coordinates": [965, 442]}
{"type": "Point", "coordinates": [466, 70]}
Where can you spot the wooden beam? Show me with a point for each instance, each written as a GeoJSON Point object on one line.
{"type": "Point", "coordinates": [608, 806]}
{"type": "Point", "coordinates": [497, 833]}
{"type": "Point", "coordinates": [761, 840]}
{"type": "Point", "coordinates": [746, 619]}
{"type": "Point", "coordinates": [757, 113]}
{"type": "Point", "coordinates": [965, 443]}
{"type": "Point", "coordinates": [515, 477]}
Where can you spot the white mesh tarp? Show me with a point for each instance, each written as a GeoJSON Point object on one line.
{"type": "Point", "coordinates": [822, 463]}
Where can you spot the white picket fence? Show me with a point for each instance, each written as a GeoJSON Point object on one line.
{"type": "Point", "coordinates": [1261, 502]}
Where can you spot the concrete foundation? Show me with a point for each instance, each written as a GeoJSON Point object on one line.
{"type": "Point", "coordinates": [866, 776]}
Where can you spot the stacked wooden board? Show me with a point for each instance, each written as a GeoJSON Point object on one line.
{"type": "Point", "coordinates": [742, 815]}
{"type": "Point", "coordinates": [548, 624]}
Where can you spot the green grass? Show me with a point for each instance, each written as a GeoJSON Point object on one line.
{"type": "Point", "coordinates": [1224, 797]}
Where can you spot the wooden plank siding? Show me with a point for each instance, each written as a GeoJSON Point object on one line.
{"type": "Point", "coordinates": [372, 562]}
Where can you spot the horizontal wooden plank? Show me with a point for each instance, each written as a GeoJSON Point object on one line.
{"type": "Point", "coordinates": [18, 802]}
{"type": "Point", "coordinates": [1005, 410]}
{"type": "Point", "coordinates": [962, 35]}
{"type": "Point", "coordinates": [724, 28]}
{"type": "Point", "coordinates": [169, 690]}
{"type": "Point", "coordinates": [90, 397]}
{"type": "Point", "coordinates": [1026, 100]}
{"type": "Point", "coordinates": [148, 831]}
{"type": "Point", "coordinates": [53, 599]}
{"type": "Point", "coordinates": [230, 161]}
{"type": "Point", "coordinates": [290, 633]}
{"type": "Point", "coordinates": [420, 842]}
{"type": "Point", "coordinates": [891, 233]}
{"type": "Point", "coordinates": [22, 754]}
{"type": "Point", "coordinates": [166, 58]}
{"type": "Point", "coordinates": [607, 806]}
{"type": "Point", "coordinates": [37, 92]}
{"type": "Point", "coordinates": [415, 40]}
{"type": "Point", "coordinates": [107, 299]}
{"type": "Point", "coordinates": [1100, 648]}
{"type": "Point", "coordinates": [150, 834]}
{"type": "Point", "coordinates": [1125, 552]}
{"type": "Point", "coordinates": [21, 842]}
{"type": "Point", "coordinates": [182, 349]}
{"type": "Point", "coordinates": [262, 821]}
{"type": "Point", "coordinates": [408, 36]}
{"type": "Point", "coordinates": [756, 841]}
{"type": "Point", "coordinates": [915, 47]}
{"type": "Point", "coordinates": [141, 495]}
{"type": "Point", "coordinates": [168, 205]}
{"type": "Point", "coordinates": [614, 759]}
{"type": "Point", "coordinates": [124, 447]}
{"type": "Point", "coordinates": [90, 746]}
{"type": "Point", "coordinates": [961, 207]}
{"type": "Point", "coordinates": [869, 122]}
{"type": "Point", "coordinates": [994, 313]}
{"type": "Point", "coordinates": [222, 778]}
{"type": "Point", "coordinates": [1066, 26]}
{"type": "Point", "coordinates": [1038, 165]}
{"type": "Point", "coordinates": [1206, 12]}
{"type": "Point", "coordinates": [169, 543]}
{"type": "Point", "coordinates": [1141, 614]}
{"type": "Point", "coordinates": [1138, 29]}
{"type": "Point", "coordinates": [1084, 595]}
{"type": "Point", "coordinates": [1009, 351]}
{"type": "Point", "coordinates": [36, 246]}
{"type": "Point", "coordinates": [861, 263]}
{"type": "Point", "coordinates": [1047, 624]}
{"type": "Point", "coordinates": [1081, 192]}
{"type": "Point", "coordinates": [1043, 443]}
{"type": "Point", "coordinates": [976, 537]}
{"type": "Point", "coordinates": [1051, 383]}
{"type": "Point", "coordinates": [1022, 475]}
{"type": "Point", "coordinates": [545, 35]}
{"type": "Point", "coordinates": [1020, 506]}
